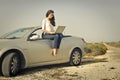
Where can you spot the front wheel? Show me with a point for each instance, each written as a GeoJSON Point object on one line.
{"type": "Point", "coordinates": [75, 58]}
{"type": "Point", "coordinates": [10, 64]}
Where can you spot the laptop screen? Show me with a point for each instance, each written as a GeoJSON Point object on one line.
{"type": "Point", "coordinates": [60, 29]}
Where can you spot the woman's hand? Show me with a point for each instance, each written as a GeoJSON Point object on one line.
{"type": "Point", "coordinates": [51, 32]}
{"type": "Point", "coordinates": [48, 32]}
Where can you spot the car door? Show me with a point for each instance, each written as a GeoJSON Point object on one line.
{"type": "Point", "coordinates": [40, 50]}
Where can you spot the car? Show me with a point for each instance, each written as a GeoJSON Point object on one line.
{"type": "Point", "coordinates": [25, 48]}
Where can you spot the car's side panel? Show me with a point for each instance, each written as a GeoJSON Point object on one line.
{"type": "Point", "coordinates": [19, 45]}
{"type": "Point", "coordinates": [40, 52]}
{"type": "Point", "coordinates": [70, 43]}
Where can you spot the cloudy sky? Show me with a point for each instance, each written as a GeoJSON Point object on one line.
{"type": "Point", "coordinates": [94, 20]}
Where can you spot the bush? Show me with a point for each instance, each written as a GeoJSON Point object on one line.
{"type": "Point", "coordinates": [114, 44]}
{"type": "Point", "coordinates": [95, 48]}
{"type": "Point", "coordinates": [88, 50]}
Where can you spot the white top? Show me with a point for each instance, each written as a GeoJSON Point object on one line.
{"type": "Point", "coordinates": [46, 25]}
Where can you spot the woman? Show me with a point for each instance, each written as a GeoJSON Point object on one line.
{"type": "Point", "coordinates": [49, 33]}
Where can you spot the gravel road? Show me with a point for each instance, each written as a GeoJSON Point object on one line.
{"type": "Point", "coordinates": [104, 67]}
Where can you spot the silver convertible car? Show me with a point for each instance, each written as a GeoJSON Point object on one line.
{"type": "Point", "coordinates": [24, 48]}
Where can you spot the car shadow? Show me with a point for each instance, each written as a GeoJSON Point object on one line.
{"type": "Point", "coordinates": [29, 71]}
{"type": "Point", "coordinates": [56, 66]}
{"type": "Point", "coordinates": [93, 60]}
{"type": "Point", "coordinates": [42, 68]}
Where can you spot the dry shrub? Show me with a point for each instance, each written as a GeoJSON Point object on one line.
{"type": "Point", "coordinates": [114, 44]}
{"type": "Point", "coordinates": [95, 48]}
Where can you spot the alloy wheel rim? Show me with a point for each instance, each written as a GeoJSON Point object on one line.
{"type": "Point", "coordinates": [76, 57]}
{"type": "Point", "coordinates": [14, 65]}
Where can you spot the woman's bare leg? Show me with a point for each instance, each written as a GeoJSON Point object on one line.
{"type": "Point", "coordinates": [54, 51]}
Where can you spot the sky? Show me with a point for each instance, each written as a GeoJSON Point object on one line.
{"type": "Point", "coordinates": [93, 20]}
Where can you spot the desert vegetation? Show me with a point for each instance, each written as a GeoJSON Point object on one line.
{"type": "Point", "coordinates": [95, 49]}
{"type": "Point", "coordinates": [114, 44]}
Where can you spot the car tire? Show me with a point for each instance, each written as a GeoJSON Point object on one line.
{"type": "Point", "coordinates": [11, 64]}
{"type": "Point", "coordinates": [75, 58]}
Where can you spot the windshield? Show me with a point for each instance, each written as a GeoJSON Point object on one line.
{"type": "Point", "coordinates": [16, 34]}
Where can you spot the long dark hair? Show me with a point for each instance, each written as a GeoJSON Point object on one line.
{"type": "Point", "coordinates": [52, 20]}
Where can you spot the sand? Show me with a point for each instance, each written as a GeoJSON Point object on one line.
{"type": "Point", "coordinates": [103, 67]}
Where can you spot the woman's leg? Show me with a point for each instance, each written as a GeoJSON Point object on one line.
{"type": "Point", "coordinates": [59, 40]}
{"type": "Point", "coordinates": [56, 43]}
{"type": "Point", "coordinates": [54, 51]}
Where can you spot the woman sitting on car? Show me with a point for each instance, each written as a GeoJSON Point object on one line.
{"type": "Point", "coordinates": [49, 33]}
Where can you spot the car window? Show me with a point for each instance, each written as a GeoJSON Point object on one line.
{"type": "Point", "coordinates": [16, 34]}
{"type": "Point", "coordinates": [38, 32]}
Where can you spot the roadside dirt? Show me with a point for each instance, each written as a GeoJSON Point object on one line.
{"type": "Point", "coordinates": [104, 67]}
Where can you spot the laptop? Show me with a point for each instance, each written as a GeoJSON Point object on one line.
{"type": "Point", "coordinates": [60, 29]}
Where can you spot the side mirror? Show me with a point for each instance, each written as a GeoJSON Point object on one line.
{"type": "Point", "coordinates": [34, 37]}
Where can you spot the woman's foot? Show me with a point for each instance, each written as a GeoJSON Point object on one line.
{"type": "Point", "coordinates": [54, 52]}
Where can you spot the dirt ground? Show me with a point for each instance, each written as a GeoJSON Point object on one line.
{"type": "Point", "coordinates": [104, 67]}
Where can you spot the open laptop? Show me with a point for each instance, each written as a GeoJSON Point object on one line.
{"type": "Point", "coordinates": [60, 29]}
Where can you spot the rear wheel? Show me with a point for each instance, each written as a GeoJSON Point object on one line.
{"type": "Point", "coordinates": [75, 58]}
{"type": "Point", "coordinates": [10, 64]}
